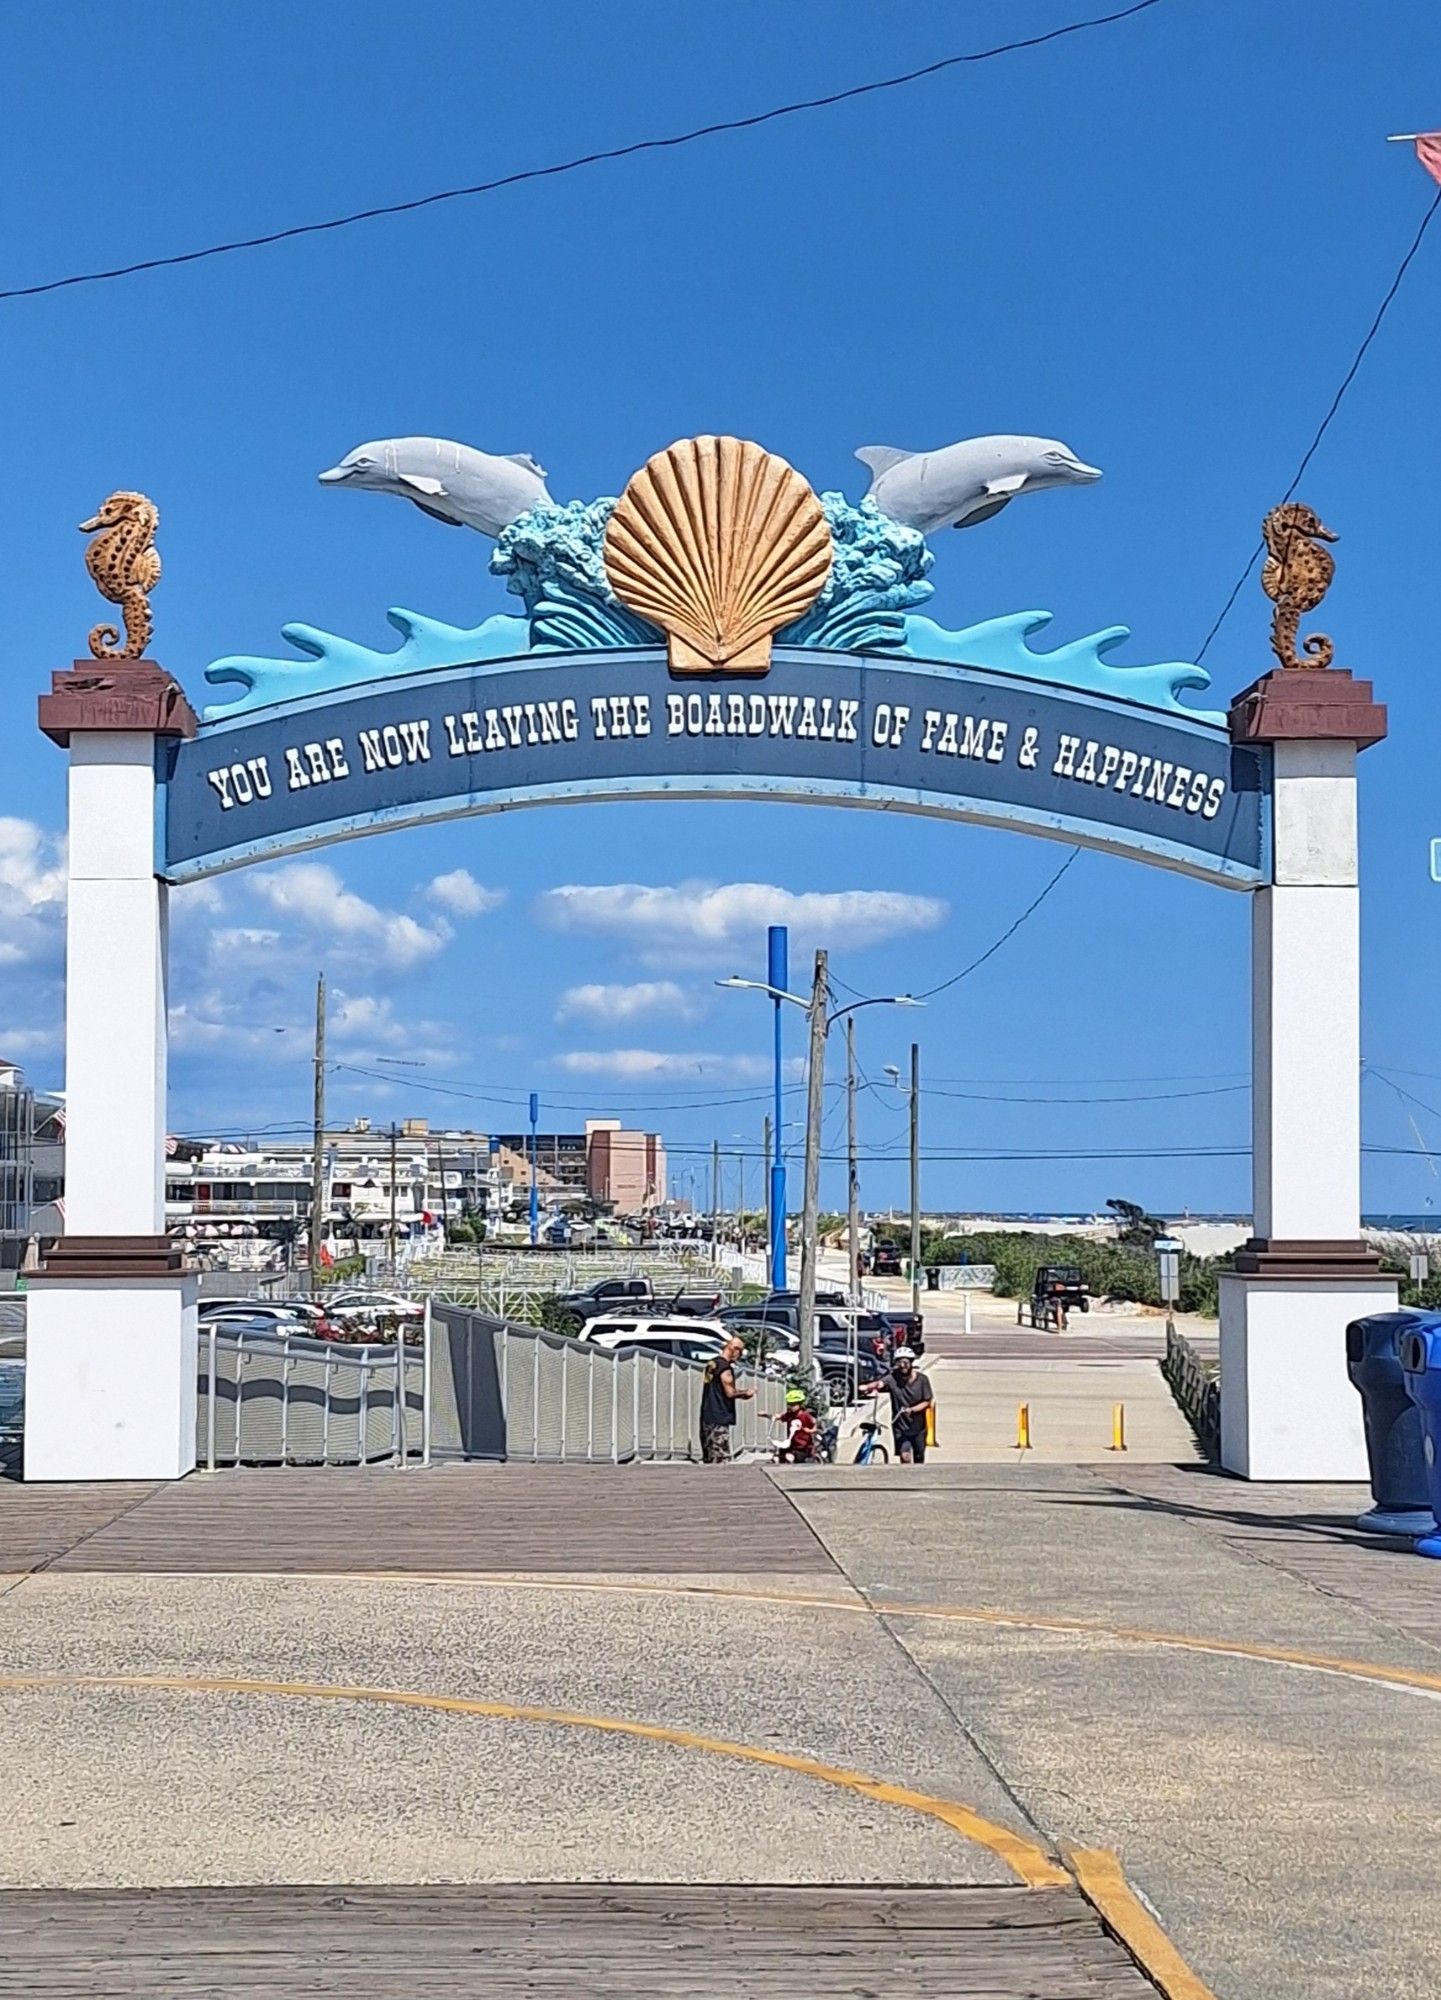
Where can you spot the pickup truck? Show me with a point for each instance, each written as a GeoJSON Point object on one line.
{"type": "Point", "coordinates": [881, 1332]}
{"type": "Point", "coordinates": [636, 1295]}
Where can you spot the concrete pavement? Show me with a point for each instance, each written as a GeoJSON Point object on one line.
{"type": "Point", "coordinates": [967, 1669]}
{"type": "Point", "coordinates": [1069, 1383]}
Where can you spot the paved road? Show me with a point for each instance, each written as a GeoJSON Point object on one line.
{"type": "Point", "coordinates": [927, 1679]}
{"type": "Point", "coordinates": [1069, 1383]}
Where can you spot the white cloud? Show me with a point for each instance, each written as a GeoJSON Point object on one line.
{"type": "Point", "coordinates": [32, 893]}
{"type": "Point", "coordinates": [243, 938]}
{"type": "Point", "coordinates": [314, 895]}
{"type": "Point", "coordinates": [195, 898]}
{"type": "Point", "coordinates": [705, 921]}
{"type": "Point", "coordinates": [627, 1003]}
{"type": "Point", "coordinates": [18, 1042]}
{"type": "Point", "coordinates": [462, 895]}
{"type": "Point", "coordinates": [213, 1022]}
{"type": "Point", "coordinates": [636, 1063]}
{"type": "Point", "coordinates": [359, 1027]}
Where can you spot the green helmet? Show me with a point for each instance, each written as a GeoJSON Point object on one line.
{"type": "Point", "coordinates": [794, 1398]}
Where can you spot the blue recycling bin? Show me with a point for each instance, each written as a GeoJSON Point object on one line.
{"type": "Point", "coordinates": [1392, 1421]}
{"type": "Point", "coordinates": [1421, 1364]}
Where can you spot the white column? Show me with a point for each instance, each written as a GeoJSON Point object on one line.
{"type": "Point", "coordinates": [1306, 1003]}
{"type": "Point", "coordinates": [1288, 1409]}
{"type": "Point", "coordinates": [115, 994]}
{"type": "Point", "coordinates": [111, 1356]}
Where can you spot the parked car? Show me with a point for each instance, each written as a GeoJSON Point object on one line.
{"type": "Point", "coordinates": [884, 1260]}
{"type": "Point", "coordinates": [238, 1322]}
{"type": "Point", "coordinates": [373, 1310]}
{"type": "Point", "coordinates": [907, 1328]}
{"type": "Point", "coordinates": [276, 1315]}
{"type": "Point", "coordinates": [636, 1294]}
{"type": "Point", "coordinates": [683, 1339]}
{"type": "Point", "coordinates": [12, 1408]}
{"type": "Point", "coordinates": [847, 1371]}
{"type": "Point", "coordinates": [1061, 1285]}
{"type": "Point", "coordinates": [834, 1320]}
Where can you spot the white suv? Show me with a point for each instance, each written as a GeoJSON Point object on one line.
{"type": "Point", "coordinates": [684, 1339]}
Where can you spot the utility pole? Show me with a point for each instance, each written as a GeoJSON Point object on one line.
{"type": "Point", "coordinates": [317, 1164]}
{"type": "Point", "coordinates": [778, 979]}
{"type": "Point", "coordinates": [715, 1195]}
{"type": "Point", "coordinates": [915, 1177]}
{"type": "Point", "coordinates": [393, 1136]}
{"type": "Point", "coordinates": [853, 1186]}
{"type": "Point", "coordinates": [534, 1161]}
{"type": "Point", "coordinates": [741, 1196]}
{"type": "Point", "coordinates": [815, 1097]}
{"type": "Point", "coordinates": [769, 1189]}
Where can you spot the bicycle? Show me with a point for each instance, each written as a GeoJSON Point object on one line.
{"type": "Point", "coordinates": [869, 1451]}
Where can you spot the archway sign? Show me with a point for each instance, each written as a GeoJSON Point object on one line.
{"type": "Point", "coordinates": [720, 630]}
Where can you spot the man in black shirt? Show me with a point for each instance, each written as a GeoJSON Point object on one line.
{"type": "Point", "coordinates": [911, 1404]}
{"type": "Point", "coordinates": [718, 1403]}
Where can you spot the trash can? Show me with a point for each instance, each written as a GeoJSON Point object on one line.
{"type": "Point", "coordinates": [1392, 1421]}
{"type": "Point", "coordinates": [1421, 1363]}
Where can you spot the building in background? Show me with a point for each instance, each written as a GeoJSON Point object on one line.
{"type": "Point", "coordinates": [246, 1204]}
{"type": "Point", "coordinates": [32, 1168]}
{"type": "Point", "coordinates": [624, 1170]}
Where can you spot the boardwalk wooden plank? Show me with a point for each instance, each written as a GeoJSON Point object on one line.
{"type": "Point", "coordinates": [584, 1941]}
{"type": "Point", "coordinates": [654, 1519]}
{"type": "Point", "coordinates": [39, 1523]}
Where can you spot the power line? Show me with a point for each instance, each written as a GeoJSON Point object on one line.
{"type": "Point", "coordinates": [1006, 935]}
{"type": "Point", "coordinates": [1347, 379]}
{"type": "Point", "coordinates": [571, 166]}
{"type": "Point", "coordinates": [1060, 1103]}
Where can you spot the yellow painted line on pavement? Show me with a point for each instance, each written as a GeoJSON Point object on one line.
{"type": "Point", "coordinates": [1401, 1680]}
{"type": "Point", "coordinates": [1024, 1857]}
{"type": "Point", "coordinates": [1102, 1881]}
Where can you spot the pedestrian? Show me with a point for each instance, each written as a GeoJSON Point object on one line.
{"type": "Point", "coordinates": [718, 1400]}
{"type": "Point", "coordinates": [911, 1404]}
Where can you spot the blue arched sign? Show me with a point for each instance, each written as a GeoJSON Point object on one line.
{"type": "Point", "coordinates": [719, 631]}
{"type": "Point", "coordinates": [959, 741]}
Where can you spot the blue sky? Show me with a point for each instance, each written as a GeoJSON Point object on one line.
{"type": "Point", "coordinates": [1160, 242]}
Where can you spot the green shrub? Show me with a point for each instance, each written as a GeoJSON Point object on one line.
{"type": "Point", "coordinates": [343, 1271]}
{"type": "Point", "coordinates": [554, 1317]}
{"type": "Point", "coordinates": [1109, 1270]}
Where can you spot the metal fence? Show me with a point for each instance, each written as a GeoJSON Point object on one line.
{"type": "Point", "coordinates": [518, 1392]}
{"type": "Point", "coordinates": [473, 1387]}
{"type": "Point", "coordinates": [279, 1399]}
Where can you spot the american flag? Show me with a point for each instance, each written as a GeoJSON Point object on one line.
{"type": "Point", "coordinates": [172, 1146]}
{"type": "Point", "coordinates": [1428, 152]}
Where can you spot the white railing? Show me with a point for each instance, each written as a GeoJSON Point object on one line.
{"type": "Point", "coordinates": [522, 1393]}
{"type": "Point", "coordinates": [285, 1399]}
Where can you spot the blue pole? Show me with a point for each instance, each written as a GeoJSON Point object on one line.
{"type": "Point", "coordinates": [534, 1190]}
{"type": "Point", "coordinates": [778, 975]}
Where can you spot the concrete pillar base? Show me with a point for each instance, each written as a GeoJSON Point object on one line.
{"type": "Point", "coordinates": [1288, 1408]}
{"type": "Point", "coordinates": [110, 1377]}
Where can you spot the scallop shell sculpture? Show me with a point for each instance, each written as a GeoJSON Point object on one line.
{"type": "Point", "coordinates": [721, 544]}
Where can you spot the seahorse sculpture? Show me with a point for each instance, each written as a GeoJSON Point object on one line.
{"type": "Point", "coordinates": [124, 567]}
{"type": "Point", "coordinates": [1295, 576]}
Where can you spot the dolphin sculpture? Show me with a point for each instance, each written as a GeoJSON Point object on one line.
{"type": "Point", "coordinates": [452, 483]}
{"type": "Point", "coordinates": [963, 484]}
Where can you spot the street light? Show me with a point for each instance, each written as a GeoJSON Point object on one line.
{"type": "Point", "coordinates": [799, 1000]}
{"type": "Point", "coordinates": [822, 1020]}
{"type": "Point", "coordinates": [914, 1093]}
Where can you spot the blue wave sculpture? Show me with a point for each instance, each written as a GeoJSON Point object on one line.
{"type": "Point", "coordinates": [333, 662]}
{"type": "Point", "coordinates": [1000, 644]}
{"type": "Point", "coordinates": [552, 559]}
